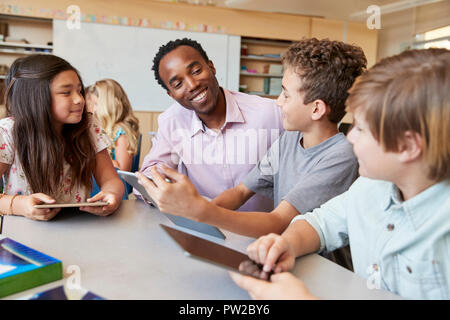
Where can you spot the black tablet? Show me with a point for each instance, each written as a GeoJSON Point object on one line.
{"type": "Point", "coordinates": [216, 254]}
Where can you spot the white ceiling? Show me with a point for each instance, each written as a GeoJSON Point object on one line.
{"type": "Point", "coordinates": [330, 9]}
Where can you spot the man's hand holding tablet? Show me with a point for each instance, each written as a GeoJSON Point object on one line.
{"type": "Point", "coordinates": [179, 196]}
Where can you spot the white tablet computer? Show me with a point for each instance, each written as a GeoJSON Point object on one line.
{"type": "Point", "coordinates": [216, 254]}
{"type": "Point", "coordinates": [180, 221]}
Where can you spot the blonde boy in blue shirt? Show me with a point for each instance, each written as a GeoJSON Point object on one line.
{"type": "Point", "coordinates": [396, 215]}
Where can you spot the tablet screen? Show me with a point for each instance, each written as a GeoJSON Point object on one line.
{"type": "Point", "coordinates": [216, 254]}
{"type": "Point", "coordinates": [178, 220]}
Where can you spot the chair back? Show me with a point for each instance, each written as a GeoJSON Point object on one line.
{"type": "Point", "coordinates": [137, 156]}
{"type": "Point", "coordinates": [344, 127]}
{"type": "Point", "coordinates": [135, 164]}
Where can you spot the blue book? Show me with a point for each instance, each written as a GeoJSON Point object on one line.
{"type": "Point", "coordinates": [22, 268]}
{"type": "Point", "coordinates": [64, 293]}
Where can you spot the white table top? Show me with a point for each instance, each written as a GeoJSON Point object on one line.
{"type": "Point", "coordinates": [127, 255]}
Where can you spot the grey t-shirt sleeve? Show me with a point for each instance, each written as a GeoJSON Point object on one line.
{"type": "Point", "coordinates": [261, 178]}
{"type": "Point", "coordinates": [330, 177]}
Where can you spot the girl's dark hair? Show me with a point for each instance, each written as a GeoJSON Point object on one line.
{"type": "Point", "coordinates": [40, 148]}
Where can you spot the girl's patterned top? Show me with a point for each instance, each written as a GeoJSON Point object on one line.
{"type": "Point", "coordinates": [15, 181]}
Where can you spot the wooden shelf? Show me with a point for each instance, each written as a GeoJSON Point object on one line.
{"type": "Point", "coordinates": [262, 94]}
{"type": "Point", "coordinates": [267, 42]}
{"type": "Point", "coordinates": [24, 45]}
{"type": "Point", "coordinates": [261, 75]}
{"type": "Point", "coordinates": [261, 58]}
{"type": "Point", "coordinates": [26, 36]}
{"type": "Point", "coordinates": [269, 96]}
{"type": "Point", "coordinates": [13, 17]}
{"type": "Point", "coordinates": [12, 51]}
{"type": "Point", "coordinates": [21, 48]}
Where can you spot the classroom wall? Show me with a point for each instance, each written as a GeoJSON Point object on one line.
{"type": "Point", "coordinates": [396, 34]}
{"type": "Point", "coordinates": [432, 16]}
{"type": "Point", "coordinates": [209, 18]}
{"type": "Point", "coordinates": [349, 32]}
{"type": "Point", "coordinates": [398, 29]}
{"type": "Point", "coordinates": [236, 22]}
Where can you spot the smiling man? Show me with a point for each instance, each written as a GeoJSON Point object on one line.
{"type": "Point", "coordinates": [212, 135]}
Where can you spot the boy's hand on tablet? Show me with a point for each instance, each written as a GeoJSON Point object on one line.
{"type": "Point", "coordinates": [105, 196]}
{"type": "Point", "coordinates": [24, 205]}
{"type": "Point", "coordinates": [179, 196]}
{"type": "Point", "coordinates": [273, 252]}
{"type": "Point", "coordinates": [284, 286]}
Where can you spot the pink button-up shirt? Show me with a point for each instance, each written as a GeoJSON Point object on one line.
{"type": "Point", "coordinates": [218, 160]}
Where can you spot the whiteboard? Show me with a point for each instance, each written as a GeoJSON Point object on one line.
{"type": "Point", "coordinates": [125, 54]}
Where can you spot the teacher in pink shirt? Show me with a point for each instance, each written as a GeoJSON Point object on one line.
{"type": "Point", "coordinates": [212, 135]}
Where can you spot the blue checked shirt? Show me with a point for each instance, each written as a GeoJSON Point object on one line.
{"type": "Point", "coordinates": [401, 246]}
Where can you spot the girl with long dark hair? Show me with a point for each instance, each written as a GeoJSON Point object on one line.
{"type": "Point", "coordinates": [49, 146]}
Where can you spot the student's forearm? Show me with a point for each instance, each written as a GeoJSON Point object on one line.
{"type": "Point", "coordinates": [302, 237]}
{"type": "Point", "coordinates": [13, 205]}
{"type": "Point", "coordinates": [114, 186]}
{"type": "Point", "coordinates": [5, 204]}
{"type": "Point", "coordinates": [251, 224]}
{"type": "Point", "coordinates": [123, 161]}
{"type": "Point", "coordinates": [233, 198]}
{"type": "Point", "coordinates": [124, 166]}
{"type": "Point", "coordinates": [229, 199]}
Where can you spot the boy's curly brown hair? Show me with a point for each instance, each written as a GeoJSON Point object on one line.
{"type": "Point", "coordinates": [327, 70]}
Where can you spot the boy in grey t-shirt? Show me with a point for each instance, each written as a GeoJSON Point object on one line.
{"type": "Point", "coordinates": [303, 177]}
{"type": "Point", "coordinates": [317, 75]}
{"type": "Point", "coordinates": [306, 178]}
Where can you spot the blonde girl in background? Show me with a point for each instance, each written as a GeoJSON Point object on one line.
{"type": "Point", "coordinates": [91, 99]}
{"type": "Point", "coordinates": [110, 105]}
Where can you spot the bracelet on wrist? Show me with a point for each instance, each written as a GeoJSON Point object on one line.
{"type": "Point", "coordinates": [1, 212]}
{"type": "Point", "coordinates": [11, 203]}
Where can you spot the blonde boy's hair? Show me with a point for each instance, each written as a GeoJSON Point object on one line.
{"type": "Point", "coordinates": [409, 92]}
{"type": "Point", "coordinates": [114, 111]}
